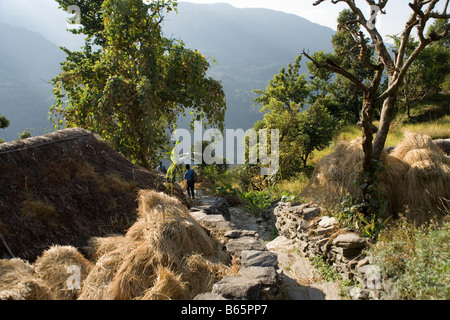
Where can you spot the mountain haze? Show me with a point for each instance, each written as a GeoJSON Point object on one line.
{"type": "Point", "coordinates": [28, 61]}
{"type": "Point", "coordinates": [249, 45]}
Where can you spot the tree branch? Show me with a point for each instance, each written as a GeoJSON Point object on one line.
{"type": "Point", "coordinates": [332, 67]}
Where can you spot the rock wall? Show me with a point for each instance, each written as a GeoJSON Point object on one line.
{"type": "Point", "coordinates": [317, 235]}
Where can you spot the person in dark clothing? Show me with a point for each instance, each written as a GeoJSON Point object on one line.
{"type": "Point", "coordinates": [161, 168]}
{"type": "Point", "coordinates": [190, 177]}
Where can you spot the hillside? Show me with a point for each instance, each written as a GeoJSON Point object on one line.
{"type": "Point", "coordinates": [249, 45]}
{"type": "Point", "coordinates": [28, 61]}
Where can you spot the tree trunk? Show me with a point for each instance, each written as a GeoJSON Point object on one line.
{"type": "Point", "coordinates": [368, 130]}
{"type": "Point", "coordinates": [387, 115]}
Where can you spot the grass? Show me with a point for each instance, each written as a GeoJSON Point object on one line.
{"type": "Point", "coordinates": [417, 259]}
{"type": "Point", "coordinates": [290, 188]}
{"type": "Point", "coordinates": [436, 129]}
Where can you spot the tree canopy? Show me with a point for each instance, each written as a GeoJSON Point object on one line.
{"type": "Point", "coordinates": [4, 123]}
{"type": "Point", "coordinates": [302, 129]}
{"type": "Point", "coordinates": [130, 83]}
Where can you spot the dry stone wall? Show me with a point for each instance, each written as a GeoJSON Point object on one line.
{"type": "Point", "coordinates": [317, 235]}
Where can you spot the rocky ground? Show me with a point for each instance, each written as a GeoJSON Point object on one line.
{"type": "Point", "coordinates": [272, 268]}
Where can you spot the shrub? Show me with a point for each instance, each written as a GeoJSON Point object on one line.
{"type": "Point", "coordinates": [416, 259]}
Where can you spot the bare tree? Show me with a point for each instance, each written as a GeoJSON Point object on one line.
{"type": "Point", "coordinates": [422, 13]}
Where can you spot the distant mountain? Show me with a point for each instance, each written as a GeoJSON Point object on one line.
{"type": "Point", "coordinates": [28, 62]}
{"type": "Point", "coordinates": [250, 46]}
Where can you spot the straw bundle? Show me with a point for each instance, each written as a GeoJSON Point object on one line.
{"type": "Point", "coordinates": [168, 286]}
{"type": "Point", "coordinates": [97, 285]}
{"type": "Point", "coordinates": [200, 274]}
{"type": "Point", "coordinates": [54, 267]}
{"type": "Point", "coordinates": [149, 261]}
{"type": "Point", "coordinates": [66, 187]}
{"type": "Point", "coordinates": [18, 282]}
{"type": "Point", "coordinates": [427, 179]}
{"type": "Point", "coordinates": [334, 176]}
{"type": "Point", "coordinates": [98, 246]}
{"type": "Point", "coordinates": [416, 175]}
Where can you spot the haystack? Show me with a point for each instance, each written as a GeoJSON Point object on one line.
{"type": "Point", "coordinates": [64, 188]}
{"type": "Point", "coordinates": [416, 175]}
{"type": "Point", "coordinates": [97, 285]}
{"type": "Point", "coordinates": [19, 282]}
{"type": "Point", "coordinates": [427, 180]}
{"type": "Point", "coordinates": [57, 265]}
{"type": "Point", "coordinates": [155, 258]}
{"type": "Point", "coordinates": [168, 286]}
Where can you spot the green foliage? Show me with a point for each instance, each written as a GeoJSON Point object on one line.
{"type": "Point", "coordinates": [326, 271]}
{"type": "Point", "coordinates": [213, 171]}
{"type": "Point", "coordinates": [346, 96]}
{"type": "Point", "coordinates": [301, 131]}
{"type": "Point", "coordinates": [24, 135]}
{"type": "Point", "coordinates": [368, 214]}
{"type": "Point", "coordinates": [133, 88]}
{"type": "Point", "coordinates": [416, 259]}
{"type": "Point", "coordinates": [316, 130]}
{"type": "Point", "coordinates": [428, 72]}
{"type": "Point", "coordinates": [256, 201]}
{"type": "Point", "coordinates": [350, 214]}
{"type": "Point", "coordinates": [4, 123]}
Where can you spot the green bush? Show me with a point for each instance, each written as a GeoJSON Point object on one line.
{"type": "Point", "coordinates": [255, 201]}
{"type": "Point", "coordinates": [416, 259]}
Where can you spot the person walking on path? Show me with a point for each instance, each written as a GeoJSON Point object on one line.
{"type": "Point", "coordinates": [191, 178]}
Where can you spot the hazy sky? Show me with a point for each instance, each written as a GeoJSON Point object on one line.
{"type": "Point", "coordinates": [44, 16]}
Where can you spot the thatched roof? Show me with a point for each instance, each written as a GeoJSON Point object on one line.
{"type": "Point", "coordinates": [65, 187]}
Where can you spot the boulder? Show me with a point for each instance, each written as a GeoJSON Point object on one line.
{"type": "Point", "coordinates": [254, 258]}
{"type": "Point", "coordinates": [215, 206]}
{"type": "Point", "coordinates": [266, 275]}
{"type": "Point", "coordinates": [349, 241]}
{"type": "Point", "coordinates": [280, 242]}
{"type": "Point", "coordinates": [234, 234]}
{"type": "Point", "coordinates": [326, 222]}
{"type": "Point", "coordinates": [238, 288]}
{"type": "Point", "coordinates": [311, 213]}
{"type": "Point", "coordinates": [245, 243]}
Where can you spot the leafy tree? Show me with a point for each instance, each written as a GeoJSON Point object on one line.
{"type": "Point", "coordinates": [428, 72]}
{"type": "Point", "coordinates": [130, 83]}
{"type": "Point", "coordinates": [4, 123]}
{"type": "Point", "coordinates": [24, 135]}
{"type": "Point", "coordinates": [210, 170]}
{"type": "Point", "coordinates": [316, 130]}
{"type": "Point", "coordinates": [346, 94]}
{"type": "Point", "coordinates": [301, 131]}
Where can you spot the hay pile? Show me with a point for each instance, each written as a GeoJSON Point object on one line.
{"type": "Point", "coordinates": [64, 188]}
{"type": "Point", "coordinates": [56, 265]}
{"type": "Point", "coordinates": [19, 282]}
{"type": "Point", "coordinates": [166, 254]}
{"type": "Point", "coordinates": [416, 176]}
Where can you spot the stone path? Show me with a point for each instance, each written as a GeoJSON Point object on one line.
{"type": "Point", "coordinates": [271, 269]}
